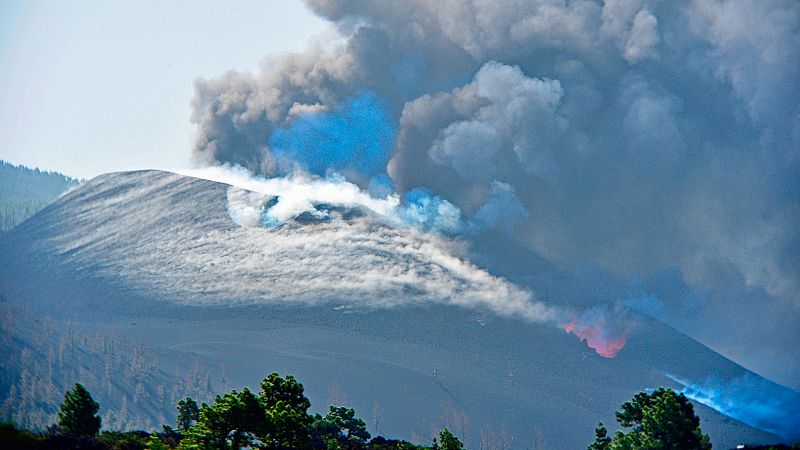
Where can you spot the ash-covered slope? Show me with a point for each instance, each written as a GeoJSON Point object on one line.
{"type": "Point", "coordinates": [381, 317]}
{"type": "Point", "coordinates": [172, 236]}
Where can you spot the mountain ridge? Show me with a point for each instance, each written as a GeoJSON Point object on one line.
{"type": "Point", "coordinates": [24, 191]}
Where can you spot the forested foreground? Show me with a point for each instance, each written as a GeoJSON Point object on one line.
{"type": "Point", "coordinates": [277, 417]}
{"type": "Point", "coordinates": [24, 191]}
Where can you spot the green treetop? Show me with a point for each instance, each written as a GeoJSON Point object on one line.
{"type": "Point", "coordinates": [154, 443]}
{"type": "Point", "coordinates": [78, 414]}
{"type": "Point", "coordinates": [288, 390]}
{"type": "Point", "coordinates": [276, 418]}
{"type": "Point", "coordinates": [660, 420]}
{"type": "Point", "coordinates": [188, 413]}
{"type": "Point", "coordinates": [340, 423]}
{"type": "Point", "coordinates": [447, 441]}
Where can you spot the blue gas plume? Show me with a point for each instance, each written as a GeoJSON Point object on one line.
{"type": "Point", "coordinates": [356, 134]}
{"type": "Point", "coordinates": [750, 399]}
{"type": "Point", "coordinates": [429, 212]}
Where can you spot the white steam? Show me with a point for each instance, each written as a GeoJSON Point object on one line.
{"type": "Point", "coordinates": [300, 193]}
{"type": "Point", "coordinates": [246, 207]}
{"type": "Point", "coordinates": [297, 193]}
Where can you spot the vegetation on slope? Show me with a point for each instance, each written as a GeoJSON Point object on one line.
{"type": "Point", "coordinates": [24, 191]}
{"type": "Point", "coordinates": [42, 358]}
{"type": "Point", "coordinates": [274, 418]}
{"type": "Point", "coordinates": [662, 419]}
{"type": "Point", "coordinates": [277, 418]}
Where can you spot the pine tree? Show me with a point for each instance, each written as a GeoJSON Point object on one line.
{"type": "Point", "coordinates": [188, 413]}
{"type": "Point", "coordinates": [601, 441]}
{"type": "Point", "coordinates": [657, 420]}
{"type": "Point", "coordinates": [154, 443]}
{"type": "Point", "coordinates": [78, 415]}
{"type": "Point", "coordinates": [447, 441]}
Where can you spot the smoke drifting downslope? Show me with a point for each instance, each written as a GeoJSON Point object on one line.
{"type": "Point", "coordinates": [340, 244]}
{"type": "Point", "coordinates": [330, 244]}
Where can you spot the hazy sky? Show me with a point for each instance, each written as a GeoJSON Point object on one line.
{"type": "Point", "coordinates": [88, 87]}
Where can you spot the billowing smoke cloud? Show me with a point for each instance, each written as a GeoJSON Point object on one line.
{"type": "Point", "coordinates": [508, 119]}
{"type": "Point", "coordinates": [752, 400]}
{"type": "Point", "coordinates": [605, 118]}
{"type": "Point", "coordinates": [638, 135]}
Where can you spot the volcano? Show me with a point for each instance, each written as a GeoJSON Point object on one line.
{"type": "Point", "coordinates": [177, 285]}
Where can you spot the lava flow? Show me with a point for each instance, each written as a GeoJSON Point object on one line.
{"type": "Point", "coordinates": [599, 333]}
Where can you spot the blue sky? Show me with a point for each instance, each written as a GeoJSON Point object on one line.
{"type": "Point", "coordinates": [90, 87]}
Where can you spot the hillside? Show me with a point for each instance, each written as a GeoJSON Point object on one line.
{"type": "Point", "coordinates": [24, 191]}
{"type": "Point", "coordinates": [391, 321]}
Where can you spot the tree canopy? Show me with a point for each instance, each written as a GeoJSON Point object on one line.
{"type": "Point", "coordinates": [78, 414]}
{"type": "Point", "coordinates": [276, 418]}
{"type": "Point", "coordinates": [275, 389]}
{"type": "Point", "coordinates": [447, 441]}
{"type": "Point", "coordinates": [659, 420]}
{"type": "Point", "coordinates": [340, 424]}
{"type": "Point", "coordinates": [188, 413]}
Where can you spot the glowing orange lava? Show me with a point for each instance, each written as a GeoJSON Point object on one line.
{"type": "Point", "coordinates": [603, 340]}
